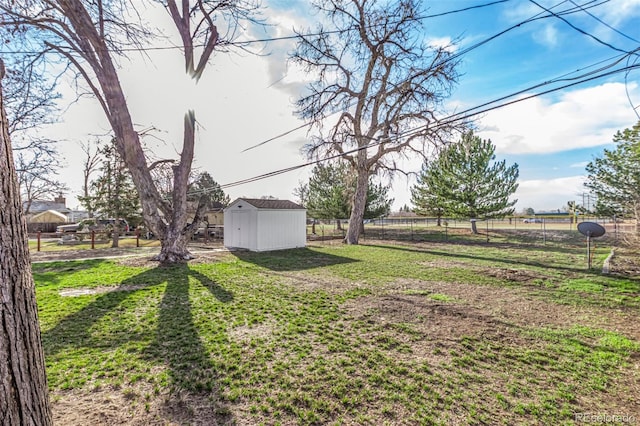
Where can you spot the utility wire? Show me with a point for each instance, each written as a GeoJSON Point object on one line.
{"type": "Point", "coordinates": [471, 112]}
{"type": "Point", "coordinates": [284, 38]}
{"type": "Point", "coordinates": [451, 58]}
{"type": "Point", "coordinates": [296, 36]}
{"type": "Point", "coordinates": [605, 24]}
{"type": "Point", "coordinates": [579, 29]}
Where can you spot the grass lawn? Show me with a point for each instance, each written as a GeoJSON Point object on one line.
{"type": "Point", "coordinates": [382, 333]}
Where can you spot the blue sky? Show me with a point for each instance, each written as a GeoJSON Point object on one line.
{"type": "Point", "coordinates": [245, 99]}
{"type": "Point", "coordinates": [562, 131]}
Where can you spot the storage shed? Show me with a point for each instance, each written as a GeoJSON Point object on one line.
{"type": "Point", "coordinates": [263, 225]}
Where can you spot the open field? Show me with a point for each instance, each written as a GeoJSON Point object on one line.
{"type": "Point", "coordinates": [430, 332]}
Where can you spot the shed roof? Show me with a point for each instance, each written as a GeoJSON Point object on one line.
{"type": "Point", "coordinates": [260, 203]}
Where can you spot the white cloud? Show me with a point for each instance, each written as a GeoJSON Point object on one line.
{"type": "Point", "coordinates": [620, 11]}
{"type": "Point", "coordinates": [579, 119]}
{"type": "Point", "coordinates": [547, 35]}
{"type": "Point", "coordinates": [550, 194]}
{"type": "Point", "coordinates": [442, 42]}
{"type": "Point", "coordinates": [580, 165]}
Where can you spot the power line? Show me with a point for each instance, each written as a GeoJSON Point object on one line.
{"type": "Point", "coordinates": [457, 55]}
{"type": "Point", "coordinates": [471, 112]}
{"type": "Point", "coordinates": [282, 38]}
{"type": "Point", "coordinates": [296, 36]}
{"type": "Point", "coordinates": [605, 24]}
{"type": "Point", "coordinates": [579, 29]}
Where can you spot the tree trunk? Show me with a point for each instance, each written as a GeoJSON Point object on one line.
{"type": "Point", "coordinates": [174, 248]}
{"type": "Point", "coordinates": [474, 228]}
{"type": "Point", "coordinates": [24, 398]}
{"type": "Point", "coordinates": [115, 235]}
{"type": "Point", "coordinates": [174, 244]}
{"type": "Point", "coordinates": [358, 207]}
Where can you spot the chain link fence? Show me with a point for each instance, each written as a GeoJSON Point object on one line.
{"type": "Point", "coordinates": [533, 230]}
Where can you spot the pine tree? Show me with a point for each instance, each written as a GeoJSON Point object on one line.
{"type": "Point", "coordinates": [614, 178]}
{"type": "Point", "coordinates": [113, 194]}
{"type": "Point", "coordinates": [466, 181]}
{"type": "Point", "coordinates": [331, 188]}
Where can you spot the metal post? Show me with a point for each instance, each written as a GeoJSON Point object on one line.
{"type": "Point", "coordinates": [93, 239]}
{"type": "Point", "coordinates": [39, 233]}
{"type": "Point", "coordinates": [487, 220]}
{"type": "Point", "coordinates": [411, 223]}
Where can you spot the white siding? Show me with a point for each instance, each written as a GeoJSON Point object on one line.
{"type": "Point", "coordinates": [281, 229]}
{"type": "Point", "coordinates": [263, 229]}
{"type": "Point", "coordinates": [240, 227]}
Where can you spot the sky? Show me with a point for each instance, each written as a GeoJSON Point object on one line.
{"type": "Point", "coordinates": [244, 99]}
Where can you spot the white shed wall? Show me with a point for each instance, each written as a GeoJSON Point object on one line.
{"type": "Point", "coordinates": [281, 229]}
{"type": "Point", "coordinates": [262, 229]}
{"type": "Point", "coordinates": [240, 228]}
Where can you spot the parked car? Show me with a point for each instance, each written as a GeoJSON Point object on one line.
{"type": "Point", "coordinates": [91, 224]}
{"type": "Point", "coordinates": [214, 231]}
{"type": "Point", "coordinates": [532, 220]}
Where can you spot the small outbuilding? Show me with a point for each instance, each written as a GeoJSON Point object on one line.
{"type": "Point", "coordinates": [263, 225]}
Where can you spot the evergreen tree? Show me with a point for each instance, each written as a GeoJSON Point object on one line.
{"type": "Point", "coordinates": [205, 185]}
{"type": "Point", "coordinates": [427, 202]}
{"type": "Point", "coordinates": [330, 190]}
{"type": "Point", "coordinates": [614, 178]}
{"type": "Point", "coordinates": [466, 181]}
{"type": "Point", "coordinates": [113, 194]}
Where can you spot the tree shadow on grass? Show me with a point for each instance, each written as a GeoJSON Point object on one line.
{"type": "Point", "coordinates": [299, 259]}
{"type": "Point", "coordinates": [175, 339]}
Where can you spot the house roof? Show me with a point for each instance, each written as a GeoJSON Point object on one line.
{"type": "Point", "coordinates": [260, 203]}
{"type": "Point", "coordinates": [57, 214]}
{"type": "Point", "coordinates": [38, 206]}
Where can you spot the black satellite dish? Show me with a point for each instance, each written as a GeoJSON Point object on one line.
{"type": "Point", "coordinates": [590, 230]}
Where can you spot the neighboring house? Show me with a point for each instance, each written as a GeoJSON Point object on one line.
{"type": "Point", "coordinates": [263, 225]}
{"type": "Point", "coordinates": [58, 204]}
{"type": "Point", "coordinates": [215, 215]}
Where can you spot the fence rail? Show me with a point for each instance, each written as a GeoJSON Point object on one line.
{"type": "Point", "coordinates": [407, 228]}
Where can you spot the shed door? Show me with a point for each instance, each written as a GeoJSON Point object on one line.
{"type": "Point", "coordinates": [241, 233]}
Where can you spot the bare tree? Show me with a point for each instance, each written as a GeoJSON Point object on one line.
{"type": "Point", "coordinates": [89, 35]}
{"type": "Point", "coordinates": [30, 103]}
{"type": "Point", "coordinates": [37, 170]}
{"type": "Point", "coordinates": [90, 164]}
{"type": "Point", "coordinates": [24, 398]}
{"type": "Point", "coordinates": [381, 80]}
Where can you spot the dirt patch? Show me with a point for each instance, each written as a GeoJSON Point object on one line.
{"type": "Point", "coordinates": [245, 333]}
{"type": "Point", "coordinates": [62, 255]}
{"type": "Point", "coordinates": [626, 262]}
{"type": "Point", "coordinates": [141, 256]}
{"type": "Point", "coordinates": [75, 292]}
{"type": "Point", "coordinates": [518, 306]}
{"type": "Point", "coordinates": [137, 405]}
{"type": "Point", "coordinates": [490, 314]}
